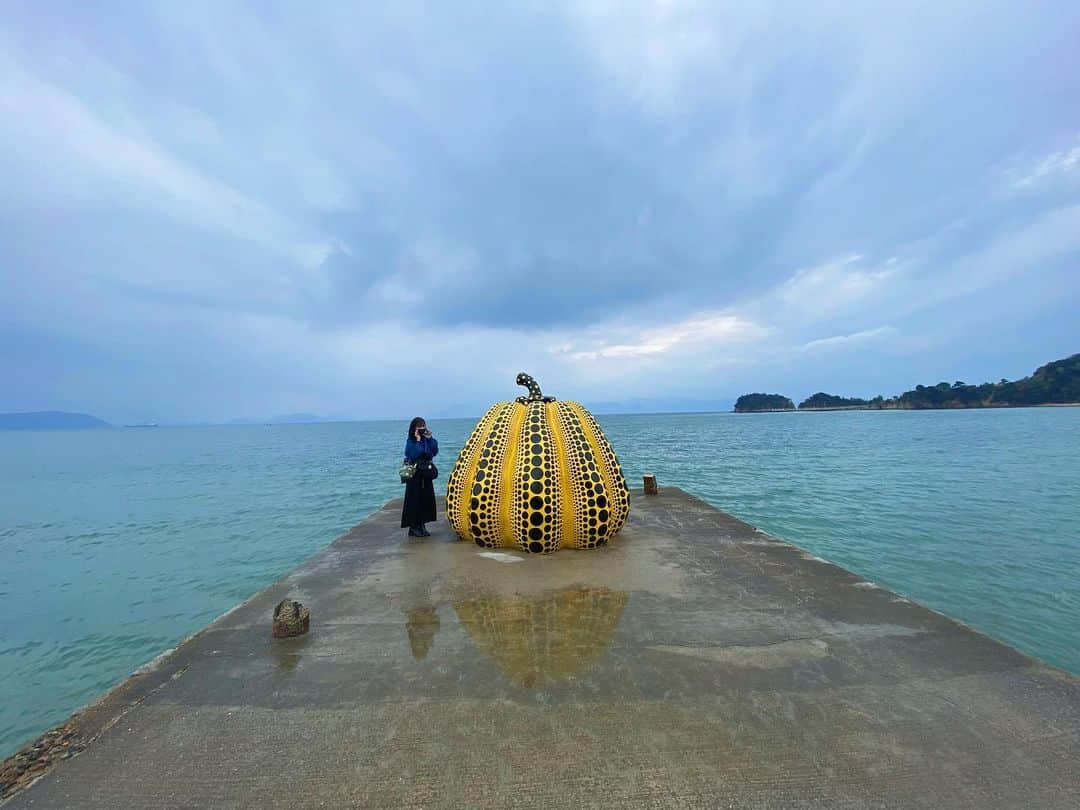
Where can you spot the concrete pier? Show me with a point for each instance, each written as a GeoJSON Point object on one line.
{"type": "Point", "coordinates": [695, 662]}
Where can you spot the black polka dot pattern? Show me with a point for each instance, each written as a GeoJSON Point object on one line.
{"type": "Point", "coordinates": [536, 503]}
{"type": "Point", "coordinates": [592, 525]}
{"type": "Point", "coordinates": [486, 492]}
{"type": "Point", "coordinates": [615, 488]}
{"type": "Point", "coordinates": [457, 494]}
{"type": "Point", "coordinates": [537, 475]}
{"type": "Point", "coordinates": [535, 394]}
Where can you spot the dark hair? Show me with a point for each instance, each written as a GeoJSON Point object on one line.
{"type": "Point", "coordinates": [416, 421]}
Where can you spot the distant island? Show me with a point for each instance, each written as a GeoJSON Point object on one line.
{"type": "Point", "coordinates": [50, 420]}
{"type": "Point", "coordinates": [756, 403]}
{"type": "Point", "coordinates": [1056, 383]}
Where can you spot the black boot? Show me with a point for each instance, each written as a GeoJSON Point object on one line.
{"type": "Point", "coordinates": [424, 532]}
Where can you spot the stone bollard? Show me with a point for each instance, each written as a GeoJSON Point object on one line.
{"type": "Point", "coordinates": [650, 484]}
{"type": "Point", "coordinates": [290, 619]}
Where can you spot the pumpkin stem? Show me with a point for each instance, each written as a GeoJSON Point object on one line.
{"type": "Point", "coordinates": [535, 394]}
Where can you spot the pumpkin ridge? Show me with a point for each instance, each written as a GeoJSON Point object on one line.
{"type": "Point", "coordinates": [607, 469]}
{"type": "Point", "coordinates": [492, 495]}
{"type": "Point", "coordinates": [485, 531]}
{"type": "Point", "coordinates": [592, 440]}
{"type": "Point", "coordinates": [535, 505]}
{"type": "Point", "coordinates": [569, 469]}
{"type": "Point", "coordinates": [617, 492]}
{"type": "Point", "coordinates": [519, 510]}
{"type": "Point", "coordinates": [508, 480]}
{"type": "Point", "coordinates": [459, 485]}
{"type": "Point", "coordinates": [589, 462]}
{"type": "Point", "coordinates": [551, 539]}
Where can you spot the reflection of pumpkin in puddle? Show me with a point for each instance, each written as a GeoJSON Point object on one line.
{"type": "Point", "coordinates": [545, 638]}
{"type": "Point", "coordinates": [421, 623]}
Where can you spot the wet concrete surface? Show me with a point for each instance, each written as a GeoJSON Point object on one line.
{"type": "Point", "coordinates": [694, 662]}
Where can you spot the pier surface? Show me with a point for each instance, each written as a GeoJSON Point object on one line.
{"type": "Point", "coordinates": [695, 662]}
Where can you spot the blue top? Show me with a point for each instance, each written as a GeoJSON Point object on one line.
{"type": "Point", "coordinates": [425, 448]}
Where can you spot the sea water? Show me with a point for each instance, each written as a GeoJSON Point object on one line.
{"type": "Point", "coordinates": [116, 544]}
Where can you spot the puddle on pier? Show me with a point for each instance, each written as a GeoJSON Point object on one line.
{"type": "Point", "coordinates": [533, 639]}
{"type": "Point", "coordinates": [421, 624]}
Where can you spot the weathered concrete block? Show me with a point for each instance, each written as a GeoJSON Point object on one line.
{"type": "Point", "coordinates": [290, 619]}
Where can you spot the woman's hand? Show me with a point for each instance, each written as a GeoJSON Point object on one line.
{"type": "Point", "coordinates": [416, 434]}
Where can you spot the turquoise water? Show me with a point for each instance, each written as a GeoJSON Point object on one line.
{"type": "Point", "coordinates": [114, 545]}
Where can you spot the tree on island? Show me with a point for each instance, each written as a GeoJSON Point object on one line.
{"type": "Point", "coordinates": [823, 400]}
{"type": "Point", "coordinates": [1056, 383]}
{"type": "Point", "coordinates": [748, 403]}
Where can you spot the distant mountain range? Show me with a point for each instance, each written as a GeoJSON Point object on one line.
{"type": "Point", "coordinates": [50, 420]}
{"type": "Point", "coordinates": [1056, 383]}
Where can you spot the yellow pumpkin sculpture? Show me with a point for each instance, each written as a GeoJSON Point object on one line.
{"type": "Point", "coordinates": [538, 475]}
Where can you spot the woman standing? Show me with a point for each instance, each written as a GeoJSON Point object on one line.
{"type": "Point", "coordinates": [419, 506]}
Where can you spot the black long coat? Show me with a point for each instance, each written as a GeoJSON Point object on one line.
{"type": "Point", "coordinates": [419, 506]}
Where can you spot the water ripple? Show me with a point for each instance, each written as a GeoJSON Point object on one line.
{"type": "Point", "coordinates": [118, 544]}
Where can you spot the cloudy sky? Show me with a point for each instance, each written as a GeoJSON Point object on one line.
{"type": "Point", "coordinates": [216, 210]}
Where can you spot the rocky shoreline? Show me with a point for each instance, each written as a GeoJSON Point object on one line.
{"type": "Point", "coordinates": [35, 758]}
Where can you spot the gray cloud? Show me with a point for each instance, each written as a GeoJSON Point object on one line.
{"type": "Point", "coordinates": [620, 194]}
